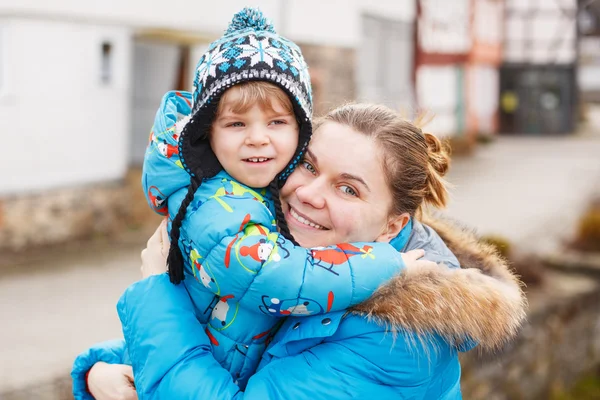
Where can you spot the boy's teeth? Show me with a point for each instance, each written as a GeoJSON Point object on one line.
{"type": "Point", "coordinates": [258, 159]}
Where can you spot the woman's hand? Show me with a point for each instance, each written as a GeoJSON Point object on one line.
{"type": "Point", "coordinates": [111, 382]}
{"type": "Point", "coordinates": [411, 259]}
{"type": "Point", "coordinates": [154, 256]}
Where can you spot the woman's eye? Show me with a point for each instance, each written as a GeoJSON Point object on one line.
{"type": "Point", "coordinates": [309, 167]}
{"type": "Point", "coordinates": [348, 190]}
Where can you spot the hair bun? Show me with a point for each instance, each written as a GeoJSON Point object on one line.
{"type": "Point", "coordinates": [249, 17]}
{"type": "Point", "coordinates": [439, 154]}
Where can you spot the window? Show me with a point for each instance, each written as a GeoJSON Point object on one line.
{"type": "Point", "coordinates": [106, 63]}
{"type": "Point", "coordinates": [542, 33]}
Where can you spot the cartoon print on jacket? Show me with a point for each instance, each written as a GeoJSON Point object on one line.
{"type": "Point", "coordinates": [211, 337]}
{"type": "Point", "coordinates": [201, 272]}
{"type": "Point", "coordinates": [211, 306]}
{"type": "Point", "coordinates": [327, 258]}
{"type": "Point", "coordinates": [157, 199]}
{"type": "Point", "coordinates": [259, 251]}
{"type": "Point", "coordinates": [221, 310]}
{"type": "Point", "coordinates": [232, 189]}
{"type": "Point", "coordinates": [167, 150]}
{"type": "Point", "coordinates": [297, 306]}
{"type": "Point", "coordinates": [204, 277]}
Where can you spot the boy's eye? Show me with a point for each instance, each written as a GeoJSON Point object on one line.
{"type": "Point", "coordinates": [278, 122]}
{"type": "Point", "coordinates": [309, 167]}
{"type": "Point", "coordinates": [348, 190]}
{"type": "Point", "coordinates": [236, 124]}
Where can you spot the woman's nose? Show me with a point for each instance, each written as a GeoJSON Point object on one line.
{"type": "Point", "coordinates": [257, 136]}
{"type": "Point", "coordinates": [312, 193]}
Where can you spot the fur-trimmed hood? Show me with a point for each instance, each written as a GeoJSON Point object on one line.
{"type": "Point", "coordinates": [482, 301]}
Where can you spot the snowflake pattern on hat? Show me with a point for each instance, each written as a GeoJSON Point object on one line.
{"type": "Point", "coordinates": [260, 51]}
{"type": "Point", "coordinates": [249, 47]}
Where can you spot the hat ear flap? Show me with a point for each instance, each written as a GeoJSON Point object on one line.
{"type": "Point", "coordinates": [197, 156]}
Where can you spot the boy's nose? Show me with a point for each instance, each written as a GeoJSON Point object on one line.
{"type": "Point", "coordinates": [257, 136]}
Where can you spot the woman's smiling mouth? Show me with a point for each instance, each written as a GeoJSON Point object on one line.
{"type": "Point", "coordinates": [305, 221]}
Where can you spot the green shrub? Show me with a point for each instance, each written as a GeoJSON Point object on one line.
{"type": "Point", "coordinates": [588, 230]}
{"type": "Point", "coordinates": [588, 388]}
{"type": "Point", "coordinates": [528, 267]}
{"type": "Point", "coordinates": [501, 244]}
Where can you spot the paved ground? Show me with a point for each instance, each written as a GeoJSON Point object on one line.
{"type": "Point", "coordinates": [58, 306]}
{"type": "Point", "coordinates": [530, 190]}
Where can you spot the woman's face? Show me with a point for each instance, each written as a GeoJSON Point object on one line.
{"type": "Point", "coordinates": [338, 194]}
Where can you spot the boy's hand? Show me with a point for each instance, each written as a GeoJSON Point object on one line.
{"type": "Point", "coordinates": [154, 256]}
{"type": "Point", "coordinates": [111, 382]}
{"type": "Point", "coordinates": [411, 259]}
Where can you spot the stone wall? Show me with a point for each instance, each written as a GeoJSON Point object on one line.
{"type": "Point", "coordinates": [74, 213]}
{"type": "Point", "coordinates": [332, 70]}
{"type": "Point", "coordinates": [58, 389]}
{"type": "Point", "coordinates": [560, 342]}
{"type": "Point", "coordinates": [60, 215]}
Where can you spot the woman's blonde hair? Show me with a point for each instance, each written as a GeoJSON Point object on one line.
{"type": "Point", "coordinates": [414, 162]}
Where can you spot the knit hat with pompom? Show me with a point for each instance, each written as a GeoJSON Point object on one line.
{"type": "Point", "coordinates": [250, 50]}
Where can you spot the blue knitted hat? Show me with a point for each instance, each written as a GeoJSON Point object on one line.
{"type": "Point", "coordinates": [250, 50]}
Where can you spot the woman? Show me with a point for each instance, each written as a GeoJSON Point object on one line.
{"type": "Point", "coordinates": [366, 176]}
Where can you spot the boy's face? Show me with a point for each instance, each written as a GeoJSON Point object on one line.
{"type": "Point", "coordinates": [255, 145]}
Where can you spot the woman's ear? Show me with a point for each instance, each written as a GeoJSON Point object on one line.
{"type": "Point", "coordinates": [393, 227]}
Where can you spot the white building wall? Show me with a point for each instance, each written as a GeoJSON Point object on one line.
{"type": "Point", "coordinates": [444, 26]}
{"type": "Point", "coordinates": [484, 92]}
{"type": "Point", "coordinates": [334, 22]}
{"type": "Point", "coordinates": [589, 64]}
{"type": "Point", "coordinates": [400, 10]}
{"type": "Point", "coordinates": [338, 22]}
{"type": "Point", "coordinates": [323, 22]}
{"type": "Point", "coordinates": [196, 15]}
{"type": "Point", "coordinates": [385, 63]}
{"type": "Point", "coordinates": [60, 124]}
{"type": "Point", "coordinates": [488, 21]}
{"type": "Point", "coordinates": [438, 94]}
{"type": "Point", "coordinates": [540, 32]}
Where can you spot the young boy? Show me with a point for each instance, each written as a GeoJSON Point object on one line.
{"type": "Point", "coordinates": [215, 168]}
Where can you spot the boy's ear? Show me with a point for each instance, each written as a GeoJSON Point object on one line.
{"type": "Point", "coordinates": [393, 227]}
